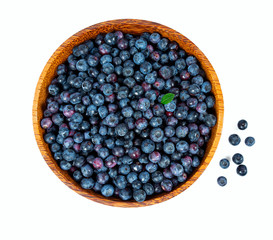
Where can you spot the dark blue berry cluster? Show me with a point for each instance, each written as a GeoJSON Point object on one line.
{"type": "Point", "coordinates": [105, 123]}
{"type": "Point", "coordinates": [237, 158]}
{"type": "Point", "coordinates": [235, 140]}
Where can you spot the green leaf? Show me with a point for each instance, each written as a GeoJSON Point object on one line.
{"type": "Point", "coordinates": [167, 98]}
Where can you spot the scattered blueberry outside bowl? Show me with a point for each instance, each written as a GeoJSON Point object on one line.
{"type": "Point", "coordinates": [141, 102]}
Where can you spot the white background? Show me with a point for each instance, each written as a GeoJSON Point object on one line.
{"type": "Point", "coordinates": [237, 38]}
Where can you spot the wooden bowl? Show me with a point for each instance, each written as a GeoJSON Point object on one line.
{"type": "Point", "coordinates": [132, 26]}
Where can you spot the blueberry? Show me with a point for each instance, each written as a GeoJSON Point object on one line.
{"type": "Point", "coordinates": [191, 60]}
{"type": "Point", "coordinates": [129, 82]}
{"type": "Point", "coordinates": [125, 194]}
{"type": "Point", "coordinates": [141, 123]}
{"type": "Point", "coordinates": [250, 141]}
{"type": "Point", "coordinates": [192, 102]}
{"type": "Point", "coordinates": [113, 172]}
{"type": "Point", "coordinates": [204, 130]}
{"type": "Point", "coordinates": [53, 107]}
{"type": "Point", "coordinates": [138, 58]}
{"type": "Point", "coordinates": [197, 80]}
{"type": "Point", "coordinates": [176, 169]}
{"type": "Point", "coordinates": [186, 161]}
{"type": "Point", "coordinates": [65, 165]}
{"type": "Point", "coordinates": [121, 129]}
{"type": "Point", "coordinates": [158, 110]}
{"type": "Point", "coordinates": [143, 104]}
{"type": "Point", "coordinates": [164, 162]}
{"type": "Point", "coordinates": [136, 184]}
{"type": "Point", "coordinates": [92, 60]}
{"type": "Point", "coordinates": [206, 87]}
{"type": "Point", "coordinates": [105, 49]}
{"type": "Point", "coordinates": [170, 107]}
{"type": "Point", "coordinates": [134, 153]}
{"type": "Point", "coordinates": [165, 72]}
{"type": "Point", "coordinates": [128, 71]}
{"type": "Point", "coordinates": [237, 158]}
{"type": "Point", "coordinates": [97, 187]}
{"type": "Point", "coordinates": [69, 155]}
{"type": "Point", "coordinates": [147, 146]}
{"type": "Point", "coordinates": [131, 177]}
{"type": "Point", "coordinates": [163, 44]}
{"type": "Point", "coordinates": [53, 89]}
{"type": "Point", "coordinates": [158, 188]}
{"type": "Point", "coordinates": [181, 113]}
{"type": "Point", "coordinates": [118, 151]}
{"type": "Point", "coordinates": [157, 177]}
{"type": "Point", "coordinates": [194, 148]}
{"type": "Point", "coordinates": [124, 169]}
{"type": "Point", "coordinates": [182, 178]}
{"type": "Point", "coordinates": [156, 122]}
{"type": "Point", "coordinates": [87, 183]}
{"type": "Point", "coordinates": [155, 157]}
{"type": "Point", "coordinates": [143, 159]}
{"type": "Point", "coordinates": [127, 160]}
{"type": "Point", "coordinates": [82, 65]}
{"type": "Point", "coordinates": [130, 123]}
{"type": "Point", "coordinates": [145, 68]}
{"type": "Point", "coordinates": [110, 38]}
{"type": "Point", "coordinates": [127, 112]}
{"type": "Point", "coordinates": [144, 177]}
{"type": "Point", "coordinates": [120, 181]}
{"type": "Point", "coordinates": [182, 146]}
{"type": "Point", "coordinates": [46, 123]}
{"type": "Point", "coordinates": [155, 56]}
{"type": "Point", "coordinates": [169, 148]}
{"type": "Point", "coordinates": [181, 131]}
{"type": "Point", "coordinates": [234, 139]}
{"type": "Point", "coordinates": [172, 55]}
{"type": "Point", "coordinates": [169, 131]}
{"type": "Point", "coordinates": [79, 162]}
{"type": "Point", "coordinates": [111, 120]}
{"type": "Point", "coordinates": [87, 170]}
{"type": "Point", "coordinates": [155, 38]}
{"type": "Point", "coordinates": [193, 69]}
{"type": "Point", "coordinates": [210, 120]}
{"type": "Point", "coordinates": [171, 121]}
{"type": "Point", "coordinates": [242, 124]}
{"type": "Point", "coordinates": [201, 107]}
{"type": "Point", "coordinates": [139, 195]}
{"type": "Point", "coordinates": [241, 170]}
{"type": "Point", "coordinates": [151, 167]}
{"type": "Point", "coordinates": [78, 137]}
{"type": "Point", "coordinates": [107, 190]}
{"type": "Point", "coordinates": [102, 178]}
{"type": "Point", "coordinates": [180, 64]}
{"type": "Point", "coordinates": [111, 161]}
{"type": "Point", "coordinates": [148, 188]}
{"type": "Point", "coordinates": [222, 181]}
{"type": "Point", "coordinates": [50, 138]}
{"type": "Point", "coordinates": [195, 161]}
{"type": "Point", "coordinates": [224, 163]}
{"type": "Point", "coordinates": [151, 95]}
{"type": "Point", "coordinates": [167, 185]}
{"type": "Point", "coordinates": [77, 175]}
{"type": "Point", "coordinates": [157, 134]}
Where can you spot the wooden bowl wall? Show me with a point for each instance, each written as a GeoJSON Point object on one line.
{"type": "Point", "coordinates": [134, 27]}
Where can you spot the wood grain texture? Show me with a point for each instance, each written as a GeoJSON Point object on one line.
{"type": "Point", "coordinates": [132, 26]}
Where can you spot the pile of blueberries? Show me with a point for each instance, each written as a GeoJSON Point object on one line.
{"type": "Point", "coordinates": [105, 122]}
{"type": "Point", "coordinates": [237, 158]}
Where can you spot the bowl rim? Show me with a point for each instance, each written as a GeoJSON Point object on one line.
{"type": "Point", "coordinates": [126, 25]}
